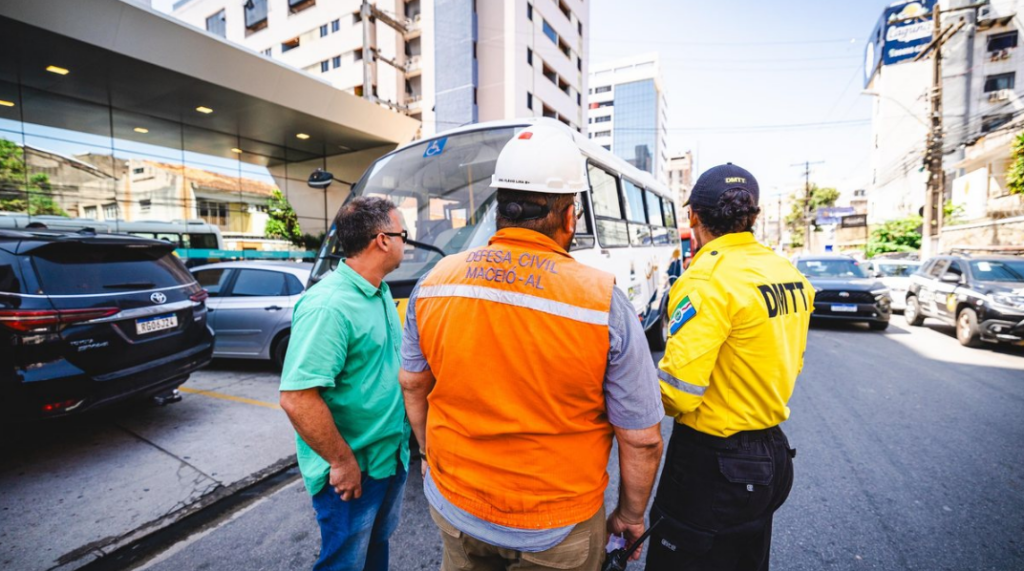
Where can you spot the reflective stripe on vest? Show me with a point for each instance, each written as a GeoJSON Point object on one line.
{"type": "Point", "coordinates": [518, 431]}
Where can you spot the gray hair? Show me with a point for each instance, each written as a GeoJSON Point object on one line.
{"type": "Point", "coordinates": [360, 221]}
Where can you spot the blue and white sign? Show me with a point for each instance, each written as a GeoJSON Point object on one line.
{"type": "Point", "coordinates": [834, 215]}
{"type": "Point", "coordinates": [893, 40]}
{"type": "Point", "coordinates": [435, 147]}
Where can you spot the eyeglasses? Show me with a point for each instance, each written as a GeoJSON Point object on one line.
{"type": "Point", "coordinates": [404, 235]}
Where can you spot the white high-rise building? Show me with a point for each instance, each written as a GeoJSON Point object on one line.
{"type": "Point", "coordinates": [444, 62]}
{"type": "Point", "coordinates": [628, 112]}
{"type": "Point", "coordinates": [680, 176]}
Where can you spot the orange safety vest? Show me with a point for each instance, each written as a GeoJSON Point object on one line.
{"type": "Point", "coordinates": [516, 335]}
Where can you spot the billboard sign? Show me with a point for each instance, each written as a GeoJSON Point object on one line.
{"type": "Point", "coordinates": [855, 221]}
{"type": "Point", "coordinates": [834, 215]}
{"type": "Point", "coordinates": [893, 40]}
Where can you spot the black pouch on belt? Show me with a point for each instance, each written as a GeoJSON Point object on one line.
{"type": "Point", "coordinates": [676, 535]}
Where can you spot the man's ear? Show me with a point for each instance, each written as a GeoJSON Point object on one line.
{"type": "Point", "coordinates": [568, 217]}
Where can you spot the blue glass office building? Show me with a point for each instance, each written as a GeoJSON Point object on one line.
{"type": "Point", "coordinates": [636, 124]}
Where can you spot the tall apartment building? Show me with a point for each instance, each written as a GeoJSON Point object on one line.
{"type": "Point", "coordinates": [680, 175]}
{"type": "Point", "coordinates": [628, 112]}
{"type": "Point", "coordinates": [982, 109]}
{"type": "Point", "coordinates": [444, 62]}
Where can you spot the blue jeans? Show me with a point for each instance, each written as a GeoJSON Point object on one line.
{"type": "Point", "coordinates": [354, 534]}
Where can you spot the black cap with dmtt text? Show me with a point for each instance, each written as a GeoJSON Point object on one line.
{"type": "Point", "coordinates": [716, 181]}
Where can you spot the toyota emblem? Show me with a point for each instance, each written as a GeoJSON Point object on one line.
{"type": "Point", "coordinates": [844, 294]}
{"type": "Point", "coordinates": [158, 298]}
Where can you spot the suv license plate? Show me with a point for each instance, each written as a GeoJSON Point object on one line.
{"type": "Point", "coordinates": [158, 323]}
{"type": "Point", "coordinates": [845, 308]}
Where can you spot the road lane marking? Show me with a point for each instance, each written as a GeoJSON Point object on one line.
{"type": "Point", "coordinates": [244, 400]}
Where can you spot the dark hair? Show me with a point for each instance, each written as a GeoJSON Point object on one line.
{"type": "Point", "coordinates": [360, 221]}
{"type": "Point", "coordinates": [735, 212]}
{"type": "Point", "coordinates": [549, 225]}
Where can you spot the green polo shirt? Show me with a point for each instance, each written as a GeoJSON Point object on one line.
{"type": "Point", "coordinates": [345, 340]}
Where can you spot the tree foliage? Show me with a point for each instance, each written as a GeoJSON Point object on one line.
{"type": "Point", "coordinates": [903, 235]}
{"type": "Point", "coordinates": [796, 222]}
{"type": "Point", "coordinates": [1015, 175]}
{"type": "Point", "coordinates": [283, 222]}
{"type": "Point", "coordinates": [18, 194]}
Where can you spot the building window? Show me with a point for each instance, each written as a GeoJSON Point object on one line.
{"type": "Point", "coordinates": [598, 105]}
{"type": "Point", "coordinates": [529, 100]}
{"type": "Point", "coordinates": [289, 45]}
{"type": "Point", "coordinates": [267, 52]}
{"type": "Point", "coordinates": [325, 66]}
{"type": "Point", "coordinates": [335, 26]}
{"type": "Point", "coordinates": [357, 17]}
{"type": "Point", "coordinates": [565, 10]}
{"type": "Point", "coordinates": [323, 30]}
{"type": "Point", "coordinates": [357, 55]}
{"type": "Point", "coordinates": [110, 211]}
{"type": "Point", "coordinates": [603, 134]}
{"type": "Point", "coordinates": [603, 119]}
{"type": "Point", "coordinates": [529, 11]}
{"type": "Point", "coordinates": [89, 212]}
{"type": "Point", "coordinates": [214, 212]}
{"type": "Point", "coordinates": [579, 26]}
{"type": "Point", "coordinates": [998, 42]}
{"type": "Point", "coordinates": [139, 170]}
{"type": "Point", "coordinates": [607, 147]}
{"type": "Point", "coordinates": [336, 62]}
{"type": "Point", "coordinates": [992, 122]}
{"type": "Point", "coordinates": [145, 205]}
{"type": "Point", "coordinates": [255, 15]}
{"type": "Point", "coordinates": [999, 82]}
{"type": "Point", "coordinates": [529, 56]}
{"type": "Point", "coordinates": [579, 63]}
{"type": "Point", "coordinates": [217, 24]}
{"type": "Point", "coordinates": [579, 99]}
{"type": "Point", "coordinates": [550, 32]}
{"type": "Point", "coordinates": [296, 6]}
{"type": "Point", "coordinates": [603, 89]}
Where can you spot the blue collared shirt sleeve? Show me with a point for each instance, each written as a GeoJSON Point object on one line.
{"type": "Point", "coordinates": [631, 389]}
{"type": "Point", "coordinates": [413, 359]}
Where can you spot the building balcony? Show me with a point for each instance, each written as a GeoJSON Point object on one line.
{"type": "Point", "coordinates": [413, 66]}
{"type": "Point", "coordinates": [414, 103]}
{"type": "Point", "coordinates": [415, 28]}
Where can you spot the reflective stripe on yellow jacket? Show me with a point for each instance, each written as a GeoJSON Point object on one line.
{"type": "Point", "coordinates": [733, 360]}
{"type": "Point", "coordinates": [516, 335]}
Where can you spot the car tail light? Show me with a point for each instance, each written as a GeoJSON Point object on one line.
{"type": "Point", "coordinates": [200, 296]}
{"type": "Point", "coordinates": [62, 406]}
{"type": "Point", "coordinates": [30, 320]}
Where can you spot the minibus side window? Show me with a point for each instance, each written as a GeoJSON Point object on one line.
{"type": "Point", "coordinates": [611, 228]}
{"type": "Point", "coordinates": [639, 231]}
{"type": "Point", "coordinates": [659, 234]}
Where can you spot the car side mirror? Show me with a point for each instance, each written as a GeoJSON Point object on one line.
{"type": "Point", "coordinates": [951, 277]}
{"type": "Point", "coordinates": [320, 179]}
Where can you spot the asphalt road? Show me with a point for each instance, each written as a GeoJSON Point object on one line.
{"type": "Point", "coordinates": [909, 457]}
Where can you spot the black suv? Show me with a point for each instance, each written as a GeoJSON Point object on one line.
{"type": "Point", "coordinates": [87, 320]}
{"type": "Point", "coordinates": [983, 296]}
{"type": "Point", "coordinates": [844, 291]}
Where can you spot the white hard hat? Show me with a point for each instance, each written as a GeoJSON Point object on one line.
{"type": "Point", "coordinates": [541, 158]}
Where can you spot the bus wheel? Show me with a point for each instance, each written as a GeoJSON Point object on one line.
{"type": "Point", "coordinates": [657, 336]}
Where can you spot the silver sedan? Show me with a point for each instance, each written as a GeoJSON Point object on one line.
{"type": "Point", "coordinates": [251, 306]}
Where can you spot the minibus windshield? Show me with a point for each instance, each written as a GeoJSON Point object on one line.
{"type": "Point", "coordinates": [442, 190]}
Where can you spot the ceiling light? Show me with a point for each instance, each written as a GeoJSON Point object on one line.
{"type": "Point", "coordinates": [57, 70]}
{"type": "Point", "coordinates": [6, 103]}
{"type": "Point", "coordinates": [141, 130]}
{"type": "Point", "coordinates": [202, 109]}
{"type": "Point", "coordinates": [302, 136]}
{"type": "Point", "coordinates": [236, 150]}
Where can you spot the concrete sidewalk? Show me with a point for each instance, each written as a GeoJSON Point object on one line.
{"type": "Point", "coordinates": [77, 489]}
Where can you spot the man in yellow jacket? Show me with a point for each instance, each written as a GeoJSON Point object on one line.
{"type": "Point", "coordinates": [532, 363]}
{"type": "Point", "coordinates": [738, 331]}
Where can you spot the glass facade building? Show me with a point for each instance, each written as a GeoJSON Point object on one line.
{"type": "Point", "coordinates": [636, 124]}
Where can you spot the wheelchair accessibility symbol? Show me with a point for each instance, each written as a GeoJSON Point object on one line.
{"type": "Point", "coordinates": [436, 147]}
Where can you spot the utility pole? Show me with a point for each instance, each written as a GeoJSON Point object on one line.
{"type": "Point", "coordinates": [935, 189]}
{"type": "Point", "coordinates": [808, 215]}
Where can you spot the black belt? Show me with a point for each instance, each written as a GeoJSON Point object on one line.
{"type": "Point", "coordinates": [732, 442]}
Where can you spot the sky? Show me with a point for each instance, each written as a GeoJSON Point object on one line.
{"type": "Point", "coordinates": [735, 70]}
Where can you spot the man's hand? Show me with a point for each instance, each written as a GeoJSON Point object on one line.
{"type": "Point", "coordinates": [346, 479]}
{"type": "Point", "coordinates": [629, 529]}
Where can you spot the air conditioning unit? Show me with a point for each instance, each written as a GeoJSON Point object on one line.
{"type": "Point", "coordinates": [1000, 95]}
{"type": "Point", "coordinates": [997, 55]}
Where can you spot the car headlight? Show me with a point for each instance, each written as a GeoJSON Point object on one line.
{"type": "Point", "coordinates": [1009, 300]}
{"type": "Point", "coordinates": [880, 293]}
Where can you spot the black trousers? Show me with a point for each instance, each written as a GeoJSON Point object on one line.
{"type": "Point", "coordinates": [716, 500]}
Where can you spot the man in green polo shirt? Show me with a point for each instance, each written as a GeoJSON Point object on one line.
{"type": "Point", "coordinates": [340, 390]}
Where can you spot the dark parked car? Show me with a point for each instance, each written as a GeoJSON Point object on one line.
{"type": "Point", "coordinates": [88, 320]}
{"type": "Point", "coordinates": [983, 296]}
{"type": "Point", "coordinates": [844, 291]}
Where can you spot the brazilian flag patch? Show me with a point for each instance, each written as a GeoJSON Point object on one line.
{"type": "Point", "coordinates": [684, 312]}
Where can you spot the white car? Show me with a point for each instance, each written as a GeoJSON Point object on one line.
{"type": "Point", "coordinates": [895, 274]}
{"type": "Point", "coordinates": [250, 306]}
